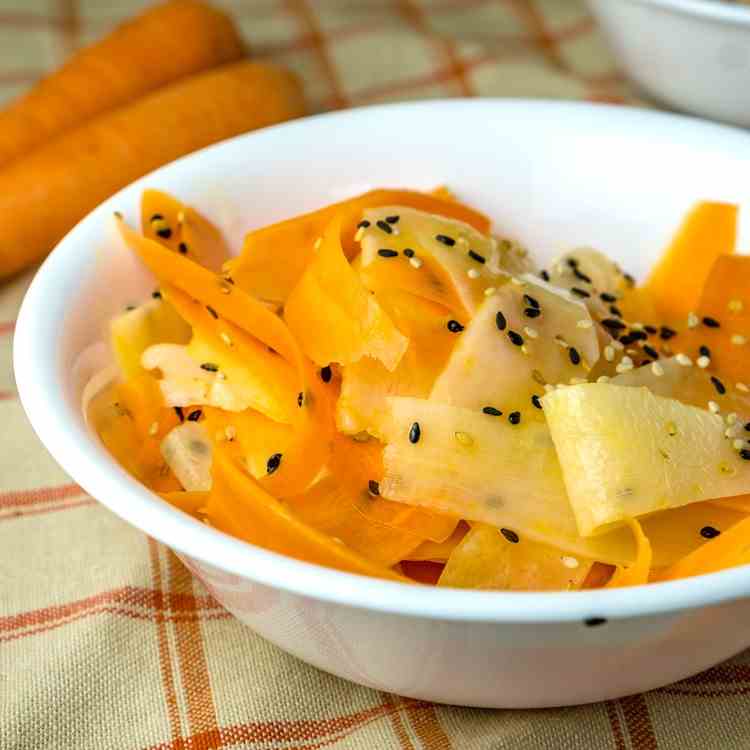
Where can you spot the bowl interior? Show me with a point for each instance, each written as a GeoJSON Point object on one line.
{"type": "Point", "coordinates": [553, 175]}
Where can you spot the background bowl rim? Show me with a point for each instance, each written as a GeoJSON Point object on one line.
{"type": "Point", "coordinates": [715, 10]}
{"type": "Point", "coordinates": [144, 510]}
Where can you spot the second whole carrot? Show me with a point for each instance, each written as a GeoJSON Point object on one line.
{"type": "Point", "coordinates": [45, 194]}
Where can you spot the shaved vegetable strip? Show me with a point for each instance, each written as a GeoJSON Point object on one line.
{"type": "Point", "coordinates": [638, 572]}
{"type": "Point", "coordinates": [274, 258]}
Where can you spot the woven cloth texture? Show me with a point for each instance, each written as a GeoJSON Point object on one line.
{"type": "Point", "coordinates": [106, 641]}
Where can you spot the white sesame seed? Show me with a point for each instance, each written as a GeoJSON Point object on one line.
{"type": "Point", "coordinates": [180, 217]}
{"type": "Point", "coordinates": [713, 407]}
{"type": "Point", "coordinates": [473, 273]}
{"type": "Point", "coordinates": [230, 432]}
{"type": "Point", "coordinates": [603, 379]}
{"type": "Point", "coordinates": [415, 262]}
{"type": "Point", "coordinates": [569, 562]}
{"type": "Point", "coordinates": [489, 291]}
{"type": "Point", "coordinates": [626, 360]}
{"type": "Point", "coordinates": [742, 387]}
{"type": "Point", "coordinates": [548, 388]}
{"type": "Point", "coordinates": [622, 367]}
{"type": "Point", "coordinates": [524, 348]}
{"type": "Point", "coordinates": [609, 353]}
{"type": "Point", "coordinates": [462, 241]}
{"type": "Point", "coordinates": [703, 362]}
{"type": "Point", "coordinates": [657, 369]}
{"type": "Point", "coordinates": [395, 230]}
{"type": "Point", "coordinates": [464, 438]}
{"type": "Point", "coordinates": [735, 305]}
{"type": "Point", "coordinates": [738, 339]}
{"type": "Point", "coordinates": [578, 381]}
{"type": "Point", "coordinates": [684, 360]}
{"type": "Point", "coordinates": [692, 320]}
{"type": "Point", "coordinates": [584, 324]}
{"type": "Point", "coordinates": [517, 281]}
{"type": "Point", "coordinates": [738, 444]}
{"type": "Point", "coordinates": [318, 243]}
{"type": "Point", "coordinates": [617, 345]}
{"type": "Point", "coordinates": [221, 376]}
{"type": "Point", "coordinates": [532, 333]}
{"type": "Point", "coordinates": [154, 428]}
{"type": "Point", "coordinates": [359, 235]}
{"type": "Point", "coordinates": [731, 418]}
{"type": "Point", "coordinates": [561, 341]}
{"type": "Point", "coordinates": [225, 338]}
{"type": "Point", "coordinates": [636, 326]}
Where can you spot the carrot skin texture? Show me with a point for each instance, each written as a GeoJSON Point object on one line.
{"type": "Point", "coordinates": [43, 195]}
{"type": "Point", "coordinates": [166, 43]}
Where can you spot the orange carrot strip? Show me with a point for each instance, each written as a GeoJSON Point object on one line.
{"type": "Point", "coordinates": [163, 44]}
{"type": "Point", "coordinates": [188, 502]}
{"type": "Point", "coordinates": [334, 317]}
{"type": "Point", "coordinates": [44, 194]}
{"type": "Point", "coordinates": [675, 284]}
{"type": "Point", "coordinates": [182, 229]}
{"type": "Point", "coordinates": [598, 577]}
{"type": "Point", "coordinates": [313, 426]}
{"type": "Point", "coordinates": [430, 551]}
{"type": "Point", "coordinates": [730, 548]}
{"type": "Point", "coordinates": [273, 258]}
{"type": "Point", "coordinates": [638, 572]}
{"type": "Point", "coordinates": [239, 506]}
{"type": "Point", "coordinates": [423, 571]}
{"type": "Point", "coordinates": [741, 503]}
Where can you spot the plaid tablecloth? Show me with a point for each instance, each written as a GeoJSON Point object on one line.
{"type": "Point", "coordinates": [105, 640]}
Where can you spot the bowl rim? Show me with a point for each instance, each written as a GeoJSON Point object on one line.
{"type": "Point", "coordinates": [715, 10]}
{"type": "Point", "coordinates": [35, 341]}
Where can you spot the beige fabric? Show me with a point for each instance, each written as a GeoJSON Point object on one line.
{"type": "Point", "coordinates": [105, 641]}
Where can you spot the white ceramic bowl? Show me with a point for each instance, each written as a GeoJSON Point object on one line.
{"type": "Point", "coordinates": [691, 54]}
{"type": "Point", "coordinates": [553, 174]}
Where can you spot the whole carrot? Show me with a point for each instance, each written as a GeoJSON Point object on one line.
{"type": "Point", "coordinates": [166, 43]}
{"type": "Point", "coordinates": [43, 195]}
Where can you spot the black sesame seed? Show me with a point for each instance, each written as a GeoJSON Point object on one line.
{"type": "Point", "coordinates": [492, 411]}
{"type": "Point", "coordinates": [454, 326]}
{"type": "Point", "coordinates": [213, 312]}
{"type": "Point", "coordinates": [579, 292]}
{"type": "Point", "coordinates": [129, 308]}
{"type": "Point", "coordinates": [385, 253]}
{"type": "Point", "coordinates": [651, 351]}
{"type": "Point", "coordinates": [745, 454]}
{"type": "Point", "coordinates": [613, 324]}
{"type": "Point", "coordinates": [156, 294]}
{"type": "Point", "coordinates": [535, 400]}
{"type": "Point", "coordinates": [639, 335]}
{"type": "Point", "coordinates": [531, 301]}
{"type": "Point", "coordinates": [747, 426]}
{"type": "Point", "coordinates": [373, 487]}
{"type": "Point", "coordinates": [477, 257]}
{"type": "Point", "coordinates": [500, 321]}
{"type": "Point", "coordinates": [582, 276]}
{"type": "Point", "coordinates": [666, 333]}
{"type": "Point", "coordinates": [704, 351]}
{"type": "Point", "coordinates": [445, 240]}
{"type": "Point", "coordinates": [363, 224]}
{"type": "Point", "coordinates": [592, 622]}
{"type": "Point", "coordinates": [544, 275]}
{"type": "Point", "coordinates": [229, 280]}
{"type": "Point", "coordinates": [510, 535]}
{"type": "Point", "coordinates": [156, 217]}
{"type": "Point", "coordinates": [650, 330]}
{"type": "Point", "coordinates": [392, 219]}
{"type": "Point", "coordinates": [326, 374]}
{"type": "Point", "coordinates": [515, 338]}
{"type": "Point", "coordinates": [514, 417]}
{"type": "Point", "coordinates": [210, 367]}
{"type": "Point", "coordinates": [572, 262]}
{"type": "Point", "coordinates": [575, 357]}
{"type": "Point", "coordinates": [607, 297]}
{"type": "Point", "coordinates": [709, 532]}
{"type": "Point", "coordinates": [300, 398]}
{"type": "Point", "coordinates": [164, 233]}
{"type": "Point", "coordinates": [178, 412]}
{"type": "Point", "coordinates": [408, 252]}
{"type": "Point", "coordinates": [273, 463]}
{"type": "Point", "coordinates": [385, 226]}
{"type": "Point", "coordinates": [720, 387]}
{"type": "Point", "coordinates": [415, 432]}
{"type": "Point", "coordinates": [629, 279]}
{"type": "Point", "coordinates": [615, 311]}
{"type": "Point", "coordinates": [183, 248]}
{"type": "Point", "coordinates": [627, 339]}
{"type": "Point", "coordinates": [532, 312]}
{"type": "Point", "coordinates": [711, 322]}
{"type": "Point", "coordinates": [195, 415]}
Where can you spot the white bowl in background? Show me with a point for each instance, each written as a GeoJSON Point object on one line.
{"type": "Point", "coordinates": [693, 55]}
{"type": "Point", "coordinates": [555, 175]}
